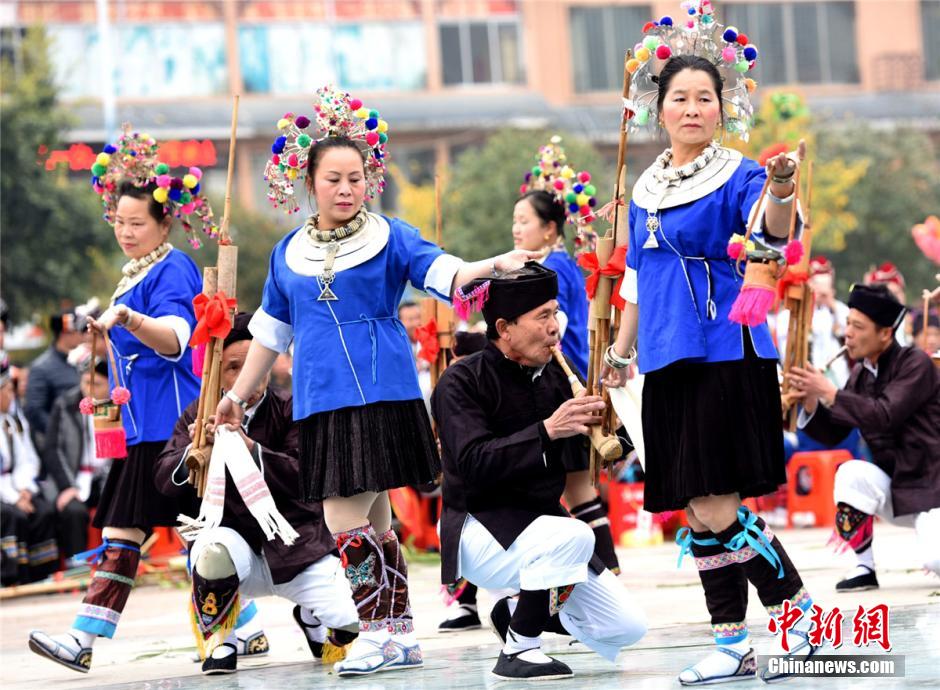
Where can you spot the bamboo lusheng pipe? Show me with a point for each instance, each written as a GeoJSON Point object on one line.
{"type": "Point", "coordinates": [607, 446]}
{"type": "Point", "coordinates": [222, 278]}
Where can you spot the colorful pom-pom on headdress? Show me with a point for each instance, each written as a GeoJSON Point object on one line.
{"type": "Point", "coordinates": [696, 33]}
{"type": "Point", "coordinates": [572, 189]}
{"type": "Point", "coordinates": [337, 114]}
{"type": "Point", "coordinates": [134, 159]}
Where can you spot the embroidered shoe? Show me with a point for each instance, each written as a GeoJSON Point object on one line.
{"type": "Point", "coordinates": [861, 579]}
{"type": "Point", "coordinates": [316, 648]}
{"type": "Point", "coordinates": [367, 655]}
{"type": "Point", "coordinates": [213, 666]}
{"type": "Point", "coordinates": [405, 657]}
{"type": "Point", "coordinates": [75, 657]}
{"type": "Point", "coordinates": [468, 620]}
{"type": "Point", "coordinates": [252, 647]}
{"type": "Point", "coordinates": [704, 672]}
{"type": "Point", "coordinates": [802, 650]}
{"type": "Point", "coordinates": [514, 667]}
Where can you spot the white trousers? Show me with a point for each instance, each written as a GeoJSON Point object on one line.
{"type": "Point", "coordinates": [866, 487]}
{"type": "Point", "coordinates": [554, 552]}
{"type": "Point", "coordinates": [321, 588]}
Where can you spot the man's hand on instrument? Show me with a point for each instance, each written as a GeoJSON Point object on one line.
{"type": "Point", "coordinates": [814, 385]}
{"type": "Point", "coordinates": [574, 416]}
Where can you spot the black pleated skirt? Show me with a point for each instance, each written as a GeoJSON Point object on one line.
{"type": "Point", "coordinates": [712, 429]}
{"type": "Point", "coordinates": [374, 447]}
{"type": "Point", "coordinates": [130, 497]}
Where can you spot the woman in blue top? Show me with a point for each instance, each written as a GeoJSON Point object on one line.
{"type": "Point", "coordinates": [711, 401]}
{"type": "Point", "coordinates": [538, 222]}
{"type": "Point", "coordinates": [152, 309]}
{"type": "Point", "coordinates": [333, 288]}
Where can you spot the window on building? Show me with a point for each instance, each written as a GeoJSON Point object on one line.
{"type": "Point", "coordinates": [481, 52]}
{"type": "Point", "coordinates": [930, 23]}
{"type": "Point", "coordinates": [600, 36]}
{"type": "Point", "coordinates": [799, 42]}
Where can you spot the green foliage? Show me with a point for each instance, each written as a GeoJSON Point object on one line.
{"type": "Point", "coordinates": [899, 190]}
{"type": "Point", "coordinates": [53, 233]}
{"type": "Point", "coordinates": [483, 186]}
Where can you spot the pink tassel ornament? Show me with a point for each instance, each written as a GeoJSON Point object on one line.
{"type": "Point", "coordinates": [120, 395]}
{"type": "Point", "coordinates": [86, 406]}
{"type": "Point", "coordinates": [110, 443]}
{"type": "Point", "coordinates": [466, 303]}
{"type": "Point", "coordinates": [793, 252]}
{"type": "Point", "coordinates": [757, 296]}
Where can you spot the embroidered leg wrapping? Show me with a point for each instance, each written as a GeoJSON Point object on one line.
{"type": "Point", "coordinates": [364, 563]}
{"type": "Point", "coordinates": [723, 581]}
{"type": "Point", "coordinates": [111, 585]}
{"type": "Point", "coordinates": [395, 605]}
{"type": "Point", "coordinates": [853, 529]}
{"type": "Point", "coordinates": [592, 513]}
{"type": "Point", "coordinates": [765, 562]}
{"type": "Point", "coordinates": [215, 605]}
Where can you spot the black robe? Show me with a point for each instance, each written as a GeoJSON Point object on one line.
{"type": "Point", "coordinates": [898, 415]}
{"type": "Point", "coordinates": [499, 464]}
{"type": "Point", "coordinates": [272, 427]}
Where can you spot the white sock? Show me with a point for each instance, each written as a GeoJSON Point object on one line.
{"type": "Point", "coordinates": [86, 639]}
{"type": "Point", "coordinates": [223, 650]}
{"type": "Point", "coordinates": [516, 643]}
{"type": "Point", "coordinates": [315, 634]}
{"type": "Point", "coordinates": [408, 639]}
{"type": "Point", "coordinates": [462, 610]}
{"type": "Point", "coordinates": [718, 663]}
{"type": "Point", "coordinates": [866, 558]}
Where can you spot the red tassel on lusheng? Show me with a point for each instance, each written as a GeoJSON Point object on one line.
{"type": "Point", "coordinates": [752, 305]}
{"type": "Point", "coordinates": [110, 443]}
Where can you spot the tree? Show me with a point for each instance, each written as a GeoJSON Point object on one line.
{"type": "Point", "coordinates": [898, 191]}
{"type": "Point", "coordinates": [55, 242]}
{"type": "Point", "coordinates": [484, 185]}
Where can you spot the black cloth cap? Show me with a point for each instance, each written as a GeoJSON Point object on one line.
{"type": "Point", "coordinates": [512, 295]}
{"type": "Point", "coordinates": [239, 329]}
{"type": "Point", "coordinates": [468, 342]}
{"type": "Point", "coordinates": [878, 304]}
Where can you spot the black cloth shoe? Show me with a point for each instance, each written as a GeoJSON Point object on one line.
{"type": "Point", "coordinates": [316, 648]}
{"type": "Point", "coordinates": [859, 583]}
{"type": "Point", "coordinates": [470, 620]}
{"type": "Point", "coordinates": [500, 617]}
{"type": "Point", "coordinates": [218, 667]}
{"type": "Point", "coordinates": [511, 667]}
{"type": "Point", "coordinates": [43, 645]}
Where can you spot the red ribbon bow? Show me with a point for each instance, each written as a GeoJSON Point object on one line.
{"type": "Point", "coordinates": [426, 336]}
{"type": "Point", "coordinates": [615, 268]}
{"type": "Point", "coordinates": [212, 317]}
{"type": "Point", "coordinates": [789, 278]}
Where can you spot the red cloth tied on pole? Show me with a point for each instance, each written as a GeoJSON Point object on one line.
{"type": "Point", "coordinates": [789, 278]}
{"type": "Point", "coordinates": [212, 317]}
{"type": "Point", "coordinates": [426, 336]}
{"type": "Point", "coordinates": [615, 268]}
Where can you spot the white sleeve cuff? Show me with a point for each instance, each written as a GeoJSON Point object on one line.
{"type": "Point", "coordinates": [270, 332]}
{"type": "Point", "coordinates": [439, 280]}
{"type": "Point", "coordinates": [804, 417]}
{"type": "Point", "coordinates": [180, 327]}
{"type": "Point", "coordinates": [628, 288]}
{"type": "Point", "coordinates": [761, 233]}
{"type": "Point", "coordinates": [562, 323]}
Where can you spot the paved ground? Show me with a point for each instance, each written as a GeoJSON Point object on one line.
{"type": "Point", "coordinates": [154, 643]}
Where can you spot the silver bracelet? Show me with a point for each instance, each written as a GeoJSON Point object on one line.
{"type": "Point", "coordinates": [235, 399]}
{"type": "Point", "coordinates": [615, 361]}
{"type": "Point", "coordinates": [777, 200]}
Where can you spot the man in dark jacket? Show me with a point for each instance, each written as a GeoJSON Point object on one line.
{"type": "Point", "coordinates": [893, 398]}
{"type": "Point", "coordinates": [51, 374]}
{"type": "Point", "coordinates": [70, 459]}
{"type": "Point", "coordinates": [509, 429]}
{"type": "Point", "coordinates": [236, 555]}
